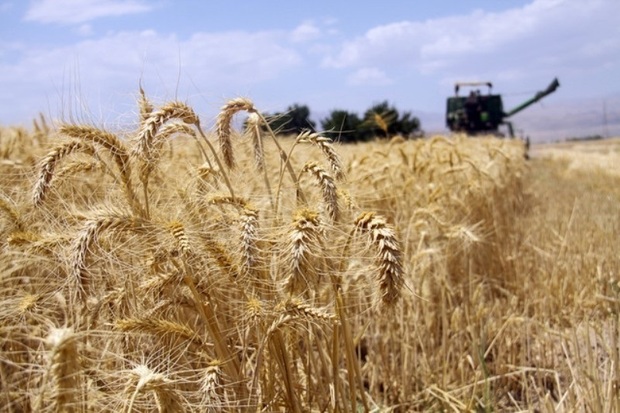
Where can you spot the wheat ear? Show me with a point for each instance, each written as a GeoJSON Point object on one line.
{"type": "Point", "coordinates": [114, 146]}
{"type": "Point", "coordinates": [249, 230]}
{"type": "Point", "coordinates": [177, 230]}
{"type": "Point", "coordinates": [304, 243]}
{"type": "Point", "coordinates": [88, 236]}
{"type": "Point", "coordinates": [328, 188]}
{"type": "Point", "coordinates": [326, 146]}
{"type": "Point", "coordinates": [223, 127]}
{"type": "Point", "coordinates": [298, 308]}
{"type": "Point", "coordinates": [158, 327]}
{"type": "Point", "coordinates": [49, 163]}
{"type": "Point", "coordinates": [6, 205]}
{"type": "Point", "coordinates": [64, 370]}
{"type": "Point", "coordinates": [388, 257]}
{"type": "Point", "coordinates": [211, 387]}
{"type": "Point", "coordinates": [146, 136]}
{"type": "Point", "coordinates": [253, 129]}
{"type": "Point", "coordinates": [220, 254]}
{"type": "Point", "coordinates": [166, 398]}
{"type": "Point", "coordinates": [145, 106]}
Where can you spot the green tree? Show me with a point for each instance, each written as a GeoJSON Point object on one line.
{"type": "Point", "coordinates": [384, 120]}
{"type": "Point", "coordinates": [295, 120]}
{"type": "Point", "coordinates": [344, 126]}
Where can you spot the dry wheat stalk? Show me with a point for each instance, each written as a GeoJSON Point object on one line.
{"type": "Point", "coordinates": [221, 255]}
{"type": "Point", "coordinates": [158, 327]}
{"type": "Point", "coordinates": [76, 168]}
{"type": "Point", "coordinates": [326, 146]}
{"type": "Point", "coordinates": [249, 239]}
{"type": "Point", "coordinates": [211, 387]}
{"type": "Point", "coordinates": [166, 398]}
{"type": "Point", "coordinates": [8, 207]}
{"type": "Point", "coordinates": [111, 221]}
{"type": "Point", "coordinates": [304, 244]}
{"type": "Point", "coordinates": [328, 189]}
{"type": "Point", "coordinates": [146, 108]}
{"type": "Point", "coordinates": [146, 136]}
{"type": "Point", "coordinates": [253, 129]}
{"type": "Point", "coordinates": [103, 138]}
{"type": "Point", "coordinates": [388, 258]}
{"type": "Point", "coordinates": [163, 136]}
{"type": "Point", "coordinates": [255, 310]}
{"type": "Point", "coordinates": [64, 370]}
{"type": "Point", "coordinates": [114, 146]}
{"type": "Point", "coordinates": [178, 232]}
{"type": "Point", "coordinates": [21, 238]}
{"type": "Point", "coordinates": [299, 308]}
{"type": "Point", "coordinates": [223, 126]}
{"type": "Point", "coordinates": [28, 302]}
{"type": "Point", "coordinates": [49, 163]}
{"type": "Point", "coordinates": [249, 230]}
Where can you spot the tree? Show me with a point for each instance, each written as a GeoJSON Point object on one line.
{"type": "Point", "coordinates": [384, 120]}
{"type": "Point", "coordinates": [343, 126]}
{"type": "Point", "coordinates": [295, 120]}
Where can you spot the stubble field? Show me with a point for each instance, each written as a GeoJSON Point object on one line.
{"type": "Point", "coordinates": [171, 268]}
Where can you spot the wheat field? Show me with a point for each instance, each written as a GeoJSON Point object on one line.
{"type": "Point", "coordinates": [171, 268]}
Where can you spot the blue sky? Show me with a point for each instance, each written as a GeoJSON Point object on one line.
{"type": "Point", "coordinates": [84, 59]}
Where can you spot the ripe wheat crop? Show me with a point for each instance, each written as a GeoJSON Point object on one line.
{"type": "Point", "coordinates": [170, 268]}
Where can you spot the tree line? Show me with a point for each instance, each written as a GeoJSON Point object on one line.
{"type": "Point", "coordinates": [380, 120]}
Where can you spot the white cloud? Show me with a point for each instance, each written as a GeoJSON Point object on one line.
{"type": "Point", "coordinates": [85, 30]}
{"type": "Point", "coordinates": [305, 32]}
{"type": "Point", "coordinates": [539, 36]}
{"type": "Point", "coordinates": [106, 71]}
{"type": "Point", "coordinates": [81, 11]}
{"type": "Point", "coordinates": [369, 76]}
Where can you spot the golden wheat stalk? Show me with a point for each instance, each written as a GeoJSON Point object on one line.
{"type": "Point", "coordinates": [249, 239]}
{"type": "Point", "coordinates": [145, 106]}
{"type": "Point", "coordinates": [220, 253]}
{"type": "Point", "coordinates": [253, 129]}
{"type": "Point", "coordinates": [388, 258]}
{"type": "Point", "coordinates": [177, 230]}
{"type": "Point", "coordinates": [146, 137]}
{"type": "Point", "coordinates": [148, 147]}
{"type": "Point", "coordinates": [211, 387]}
{"type": "Point", "coordinates": [166, 397]}
{"type": "Point", "coordinates": [326, 146]}
{"type": "Point", "coordinates": [254, 123]}
{"type": "Point", "coordinates": [7, 206]}
{"type": "Point", "coordinates": [305, 311]}
{"type": "Point", "coordinates": [114, 146]}
{"type": "Point", "coordinates": [223, 127]}
{"type": "Point", "coordinates": [158, 327]}
{"type": "Point", "coordinates": [88, 235]}
{"type": "Point", "coordinates": [249, 230]}
{"type": "Point", "coordinates": [77, 168]}
{"type": "Point", "coordinates": [304, 244]}
{"type": "Point", "coordinates": [165, 133]}
{"type": "Point", "coordinates": [328, 189]}
{"type": "Point", "coordinates": [49, 163]}
{"type": "Point", "coordinates": [64, 370]}
{"type": "Point", "coordinates": [100, 137]}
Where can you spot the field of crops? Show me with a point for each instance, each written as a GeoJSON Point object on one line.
{"type": "Point", "coordinates": [172, 268]}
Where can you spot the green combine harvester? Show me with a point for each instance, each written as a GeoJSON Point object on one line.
{"type": "Point", "coordinates": [478, 114]}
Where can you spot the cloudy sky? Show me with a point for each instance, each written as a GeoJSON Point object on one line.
{"type": "Point", "coordinates": [84, 59]}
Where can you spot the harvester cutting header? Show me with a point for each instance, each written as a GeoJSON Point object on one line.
{"type": "Point", "coordinates": [483, 114]}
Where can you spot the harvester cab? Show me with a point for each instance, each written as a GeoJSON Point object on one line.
{"type": "Point", "coordinates": [479, 113]}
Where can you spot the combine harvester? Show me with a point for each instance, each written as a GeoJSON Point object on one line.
{"type": "Point", "coordinates": [479, 114]}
